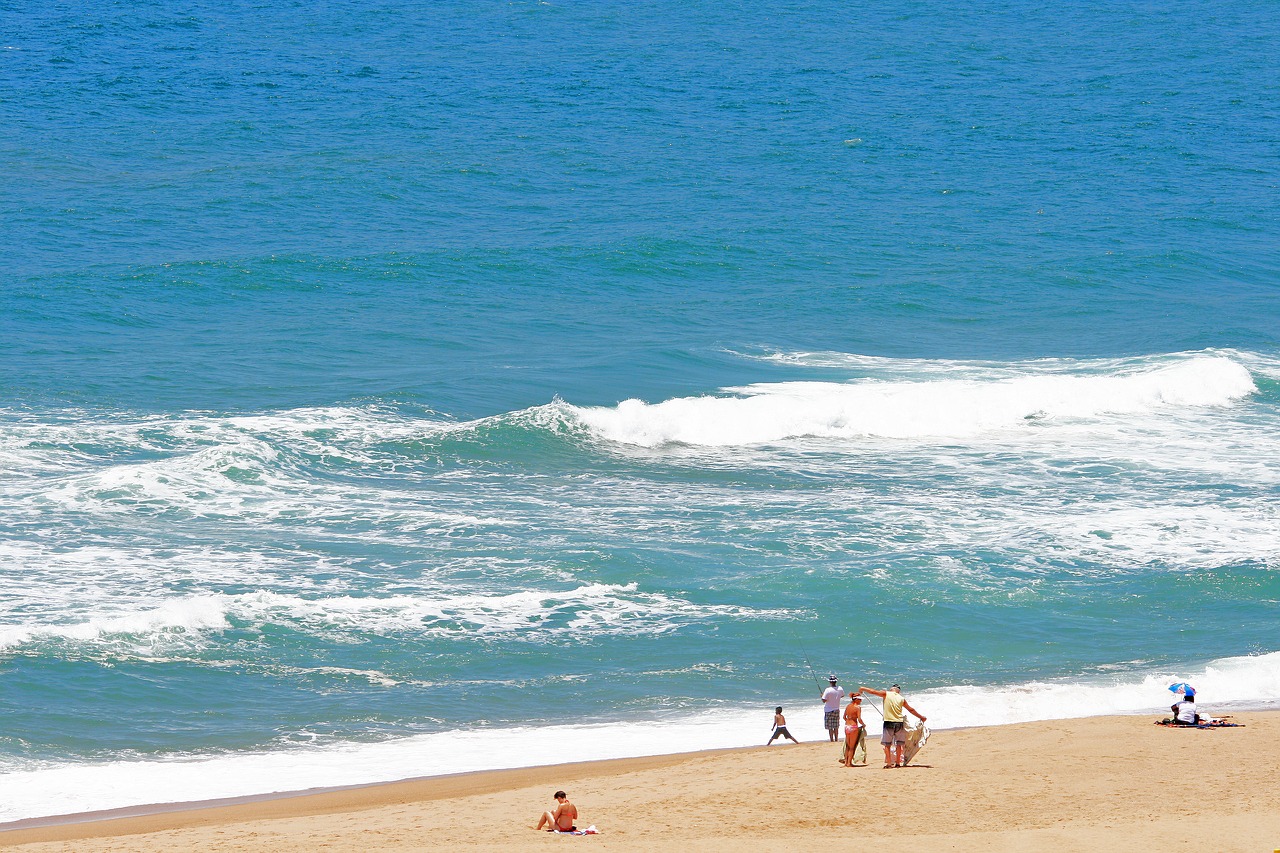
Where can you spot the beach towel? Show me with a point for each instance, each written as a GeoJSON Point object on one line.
{"type": "Point", "coordinates": [859, 747]}
{"type": "Point", "coordinates": [916, 739]}
{"type": "Point", "coordinates": [1212, 724]}
{"type": "Point", "coordinates": [590, 830]}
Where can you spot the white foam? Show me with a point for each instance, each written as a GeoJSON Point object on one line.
{"type": "Point", "coordinates": [883, 368]}
{"type": "Point", "coordinates": [930, 408]}
{"type": "Point", "coordinates": [74, 441]}
{"type": "Point", "coordinates": [53, 789]}
{"type": "Point", "coordinates": [587, 610]}
{"type": "Point", "coordinates": [70, 789]}
{"type": "Point", "coordinates": [1254, 678]}
{"type": "Point", "coordinates": [592, 610]}
{"type": "Point", "coordinates": [168, 624]}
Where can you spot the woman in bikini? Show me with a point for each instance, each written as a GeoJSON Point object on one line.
{"type": "Point", "coordinates": [560, 820]}
{"type": "Point", "coordinates": [855, 735]}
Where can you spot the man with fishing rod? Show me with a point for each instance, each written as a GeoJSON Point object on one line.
{"type": "Point", "coordinates": [831, 707]}
{"type": "Point", "coordinates": [830, 698]}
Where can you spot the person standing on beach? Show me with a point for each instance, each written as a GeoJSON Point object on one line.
{"type": "Point", "coordinates": [780, 727]}
{"type": "Point", "coordinates": [831, 707]}
{"type": "Point", "coordinates": [562, 817]}
{"type": "Point", "coordinates": [894, 736]}
{"type": "Point", "coordinates": [855, 733]}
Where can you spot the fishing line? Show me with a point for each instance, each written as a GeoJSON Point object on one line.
{"type": "Point", "coordinates": [805, 655]}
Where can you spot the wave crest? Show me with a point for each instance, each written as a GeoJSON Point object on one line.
{"type": "Point", "coordinates": [922, 409]}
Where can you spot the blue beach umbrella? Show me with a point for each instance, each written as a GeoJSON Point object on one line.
{"type": "Point", "coordinates": [1182, 687]}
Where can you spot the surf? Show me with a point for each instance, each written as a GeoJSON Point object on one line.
{"type": "Point", "coordinates": [928, 407]}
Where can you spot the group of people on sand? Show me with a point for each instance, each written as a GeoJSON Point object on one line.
{"type": "Point", "coordinates": [893, 737]}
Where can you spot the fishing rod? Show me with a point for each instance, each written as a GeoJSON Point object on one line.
{"type": "Point", "coordinates": [814, 673]}
{"type": "Point", "coordinates": [805, 655]}
{"type": "Point", "coordinates": [874, 705]}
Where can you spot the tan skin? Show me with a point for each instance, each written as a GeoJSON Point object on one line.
{"type": "Point", "coordinates": [852, 717]}
{"type": "Point", "coordinates": [780, 722]}
{"type": "Point", "coordinates": [561, 818]}
{"type": "Point", "coordinates": [890, 760]}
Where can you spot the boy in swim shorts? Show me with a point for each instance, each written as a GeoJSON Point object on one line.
{"type": "Point", "coordinates": [780, 727]}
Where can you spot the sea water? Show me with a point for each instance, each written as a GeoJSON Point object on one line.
{"type": "Point", "coordinates": [389, 391]}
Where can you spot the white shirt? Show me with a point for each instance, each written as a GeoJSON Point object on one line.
{"type": "Point", "coordinates": [1186, 712]}
{"type": "Point", "coordinates": [831, 698]}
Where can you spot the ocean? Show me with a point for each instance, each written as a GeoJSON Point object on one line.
{"type": "Point", "coordinates": [396, 390]}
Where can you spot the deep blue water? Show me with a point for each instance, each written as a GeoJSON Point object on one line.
{"type": "Point", "coordinates": [955, 331]}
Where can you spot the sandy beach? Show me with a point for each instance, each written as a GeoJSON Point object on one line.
{"type": "Point", "coordinates": [1114, 783]}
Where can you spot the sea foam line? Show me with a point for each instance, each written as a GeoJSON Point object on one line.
{"type": "Point", "coordinates": [56, 789]}
{"type": "Point", "coordinates": [593, 609]}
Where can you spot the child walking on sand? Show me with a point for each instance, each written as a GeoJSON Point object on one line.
{"type": "Point", "coordinates": [780, 727]}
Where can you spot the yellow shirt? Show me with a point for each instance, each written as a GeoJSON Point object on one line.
{"type": "Point", "coordinates": [893, 703]}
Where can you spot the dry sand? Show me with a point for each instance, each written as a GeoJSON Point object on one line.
{"type": "Point", "coordinates": [1101, 784]}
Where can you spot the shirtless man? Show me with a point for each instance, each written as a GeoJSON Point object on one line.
{"type": "Point", "coordinates": [562, 818]}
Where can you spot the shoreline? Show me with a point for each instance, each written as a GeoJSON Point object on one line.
{"type": "Point", "coordinates": [807, 726]}
{"type": "Point", "coordinates": [978, 788]}
{"type": "Point", "coordinates": [218, 804]}
{"type": "Point", "coordinates": [87, 793]}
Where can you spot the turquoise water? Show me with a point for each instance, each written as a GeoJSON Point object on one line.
{"type": "Point", "coordinates": [377, 383]}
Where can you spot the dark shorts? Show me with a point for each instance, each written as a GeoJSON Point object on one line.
{"type": "Point", "coordinates": [893, 733]}
{"type": "Point", "coordinates": [832, 720]}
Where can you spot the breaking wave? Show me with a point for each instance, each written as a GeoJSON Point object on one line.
{"type": "Point", "coordinates": [933, 407]}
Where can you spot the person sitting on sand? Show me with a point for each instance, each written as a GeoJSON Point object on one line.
{"type": "Point", "coordinates": [780, 727]}
{"type": "Point", "coordinates": [1184, 712]}
{"type": "Point", "coordinates": [855, 733]}
{"type": "Point", "coordinates": [895, 724]}
{"type": "Point", "coordinates": [562, 818]}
